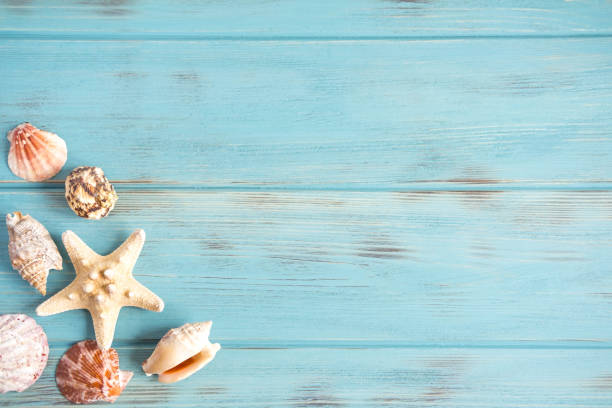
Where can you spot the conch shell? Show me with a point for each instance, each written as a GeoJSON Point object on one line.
{"type": "Point", "coordinates": [35, 154]}
{"type": "Point", "coordinates": [181, 352]}
{"type": "Point", "coordinates": [89, 193]}
{"type": "Point", "coordinates": [31, 249]}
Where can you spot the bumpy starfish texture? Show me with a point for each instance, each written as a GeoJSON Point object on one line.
{"type": "Point", "coordinates": [103, 285]}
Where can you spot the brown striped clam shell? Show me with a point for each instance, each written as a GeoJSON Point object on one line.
{"type": "Point", "coordinates": [87, 373]}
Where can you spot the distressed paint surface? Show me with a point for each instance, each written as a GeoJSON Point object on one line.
{"type": "Point", "coordinates": [365, 114]}
{"type": "Point", "coordinates": [417, 266]}
{"type": "Point", "coordinates": [316, 18]}
{"type": "Point", "coordinates": [370, 377]}
{"type": "Point", "coordinates": [378, 203]}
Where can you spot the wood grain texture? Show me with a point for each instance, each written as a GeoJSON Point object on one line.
{"type": "Point", "coordinates": [378, 203]}
{"type": "Point", "coordinates": [415, 267]}
{"type": "Point", "coordinates": [322, 377]}
{"type": "Point", "coordinates": [243, 18]}
{"type": "Point", "coordinates": [353, 114]}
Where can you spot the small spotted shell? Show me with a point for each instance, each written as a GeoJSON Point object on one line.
{"type": "Point", "coordinates": [87, 373]}
{"type": "Point", "coordinates": [32, 250]}
{"type": "Point", "coordinates": [89, 193]}
{"type": "Point", "coordinates": [181, 352]}
{"type": "Point", "coordinates": [23, 352]}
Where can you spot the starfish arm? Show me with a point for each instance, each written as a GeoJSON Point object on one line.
{"type": "Point", "coordinates": [129, 251]}
{"type": "Point", "coordinates": [80, 254]}
{"type": "Point", "coordinates": [104, 321]}
{"type": "Point", "coordinates": [64, 300]}
{"type": "Point", "coordinates": [139, 296]}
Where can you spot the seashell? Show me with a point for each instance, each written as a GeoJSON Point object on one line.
{"type": "Point", "coordinates": [35, 154]}
{"type": "Point", "coordinates": [87, 373]}
{"type": "Point", "coordinates": [89, 193]}
{"type": "Point", "coordinates": [31, 249]}
{"type": "Point", "coordinates": [23, 352]}
{"type": "Point", "coordinates": [181, 352]}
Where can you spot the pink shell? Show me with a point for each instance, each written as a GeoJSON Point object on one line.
{"type": "Point", "coordinates": [23, 352]}
{"type": "Point", "coordinates": [35, 154]}
{"type": "Point", "coordinates": [87, 373]}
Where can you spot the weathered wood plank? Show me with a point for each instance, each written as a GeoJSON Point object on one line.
{"type": "Point", "coordinates": [469, 267]}
{"type": "Point", "coordinates": [307, 18]}
{"type": "Point", "coordinates": [428, 281]}
{"type": "Point", "coordinates": [348, 114]}
{"type": "Point", "coordinates": [404, 377]}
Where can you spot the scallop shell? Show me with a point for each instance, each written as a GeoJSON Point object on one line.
{"type": "Point", "coordinates": [23, 352]}
{"type": "Point", "coordinates": [31, 249]}
{"type": "Point", "coordinates": [87, 373]}
{"type": "Point", "coordinates": [89, 193]}
{"type": "Point", "coordinates": [35, 154]}
{"type": "Point", "coordinates": [181, 352]}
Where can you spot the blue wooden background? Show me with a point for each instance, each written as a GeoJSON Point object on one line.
{"type": "Point", "coordinates": [378, 203]}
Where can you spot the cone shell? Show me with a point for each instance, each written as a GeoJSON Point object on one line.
{"type": "Point", "coordinates": [89, 193]}
{"type": "Point", "coordinates": [87, 374]}
{"type": "Point", "coordinates": [23, 352]}
{"type": "Point", "coordinates": [32, 250]}
{"type": "Point", "coordinates": [181, 352]}
{"type": "Point", "coordinates": [35, 155]}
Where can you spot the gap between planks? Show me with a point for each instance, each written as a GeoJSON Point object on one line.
{"type": "Point", "coordinates": [562, 344]}
{"type": "Point", "coordinates": [453, 185]}
{"type": "Point", "coordinates": [151, 36]}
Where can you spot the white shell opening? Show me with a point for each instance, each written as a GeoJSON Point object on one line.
{"type": "Point", "coordinates": [189, 366]}
{"type": "Point", "coordinates": [181, 352]}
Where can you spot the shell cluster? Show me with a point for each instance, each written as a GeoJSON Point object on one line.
{"type": "Point", "coordinates": [23, 352]}
{"type": "Point", "coordinates": [87, 374]}
{"type": "Point", "coordinates": [89, 193]}
{"type": "Point", "coordinates": [31, 249]}
{"type": "Point", "coordinates": [35, 155]}
{"type": "Point", "coordinates": [181, 352]}
{"type": "Point", "coordinates": [89, 371]}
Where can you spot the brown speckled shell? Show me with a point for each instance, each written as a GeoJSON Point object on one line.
{"type": "Point", "coordinates": [89, 193]}
{"type": "Point", "coordinates": [32, 250]}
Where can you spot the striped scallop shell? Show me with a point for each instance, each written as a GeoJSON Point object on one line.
{"type": "Point", "coordinates": [23, 352]}
{"type": "Point", "coordinates": [35, 154]}
{"type": "Point", "coordinates": [87, 373]}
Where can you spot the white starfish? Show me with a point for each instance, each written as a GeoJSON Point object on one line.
{"type": "Point", "coordinates": [103, 285]}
